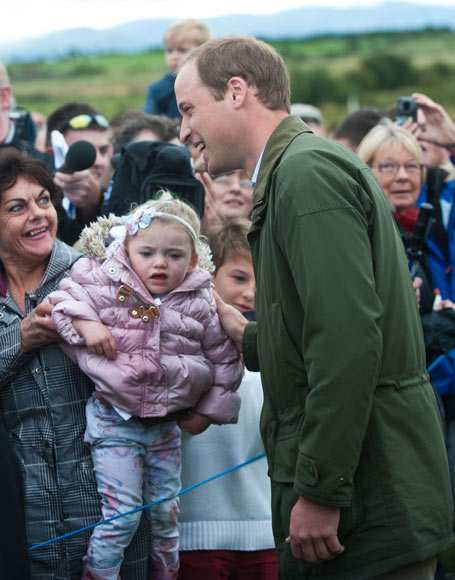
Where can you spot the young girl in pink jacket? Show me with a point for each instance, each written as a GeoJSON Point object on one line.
{"type": "Point", "coordinates": [140, 319]}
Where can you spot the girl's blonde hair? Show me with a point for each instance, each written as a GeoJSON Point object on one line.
{"type": "Point", "coordinates": [165, 203]}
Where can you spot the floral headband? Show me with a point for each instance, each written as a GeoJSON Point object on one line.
{"type": "Point", "coordinates": [142, 218]}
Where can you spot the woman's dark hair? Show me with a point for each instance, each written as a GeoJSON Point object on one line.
{"type": "Point", "coordinates": [15, 164]}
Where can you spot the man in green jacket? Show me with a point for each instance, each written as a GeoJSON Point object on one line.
{"type": "Point", "coordinates": [359, 476]}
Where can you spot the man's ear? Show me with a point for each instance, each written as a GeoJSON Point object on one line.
{"type": "Point", "coordinates": [237, 90]}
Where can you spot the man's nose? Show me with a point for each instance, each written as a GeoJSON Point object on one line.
{"type": "Point", "coordinates": [184, 132]}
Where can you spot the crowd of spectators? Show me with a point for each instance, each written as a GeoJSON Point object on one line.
{"type": "Point", "coordinates": [414, 164]}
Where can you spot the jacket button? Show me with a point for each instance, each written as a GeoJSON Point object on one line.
{"type": "Point", "coordinates": [1, 314]}
{"type": "Point", "coordinates": [57, 442]}
{"type": "Point", "coordinates": [112, 270]}
{"type": "Point", "coordinates": [159, 407]}
{"type": "Point", "coordinates": [341, 479]}
{"type": "Point", "coordinates": [38, 370]}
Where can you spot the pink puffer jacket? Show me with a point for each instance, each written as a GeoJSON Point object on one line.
{"type": "Point", "coordinates": [180, 359]}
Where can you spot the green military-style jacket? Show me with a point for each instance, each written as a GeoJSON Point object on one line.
{"type": "Point", "coordinates": [349, 416]}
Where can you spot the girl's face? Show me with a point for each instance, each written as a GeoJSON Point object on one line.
{"type": "Point", "coordinates": [162, 256]}
{"type": "Point", "coordinates": [400, 176]}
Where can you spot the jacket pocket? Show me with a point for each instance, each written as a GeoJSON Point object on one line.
{"type": "Point", "coordinates": [290, 360]}
{"type": "Point", "coordinates": [281, 441]}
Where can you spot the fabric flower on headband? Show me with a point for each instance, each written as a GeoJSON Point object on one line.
{"type": "Point", "coordinates": [139, 219]}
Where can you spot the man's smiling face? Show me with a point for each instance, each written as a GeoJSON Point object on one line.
{"type": "Point", "coordinates": [206, 122]}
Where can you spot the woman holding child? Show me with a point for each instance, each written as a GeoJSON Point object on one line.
{"type": "Point", "coordinates": [42, 392]}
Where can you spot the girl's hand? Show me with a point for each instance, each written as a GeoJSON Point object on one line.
{"type": "Point", "coordinates": [97, 337]}
{"type": "Point", "coordinates": [194, 423]}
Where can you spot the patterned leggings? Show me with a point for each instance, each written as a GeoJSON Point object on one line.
{"type": "Point", "coordinates": [134, 465]}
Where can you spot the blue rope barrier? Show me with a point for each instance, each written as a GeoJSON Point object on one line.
{"type": "Point", "coordinates": [248, 461]}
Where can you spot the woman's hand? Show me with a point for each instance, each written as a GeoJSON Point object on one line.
{"type": "Point", "coordinates": [194, 423]}
{"type": "Point", "coordinates": [210, 217]}
{"type": "Point", "coordinates": [37, 329]}
{"type": "Point", "coordinates": [98, 338]}
{"type": "Point", "coordinates": [439, 127]}
{"type": "Point", "coordinates": [416, 284]}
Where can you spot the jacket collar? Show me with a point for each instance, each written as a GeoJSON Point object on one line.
{"type": "Point", "coordinates": [61, 259]}
{"type": "Point", "coordinates": [278, 142]}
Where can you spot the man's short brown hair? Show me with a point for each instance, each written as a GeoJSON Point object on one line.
{"type": "Point", "coordinates": [257, 63]}
{"type": "Point", "coordinates": [228, 240]}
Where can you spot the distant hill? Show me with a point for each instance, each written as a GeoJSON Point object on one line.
{"type": "Point", "coordinates": [297, 23]}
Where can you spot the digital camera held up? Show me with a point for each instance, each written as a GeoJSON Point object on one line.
{"type": "Point", "coordinates": [406, 110]}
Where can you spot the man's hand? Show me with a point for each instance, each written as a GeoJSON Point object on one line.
{"type": "Point", "coordinates": [313, 531]}
{"type": "Point", "coordinates": [97, 337]}
{"type": "Point", "coordinates": [194, 423]}
{"type": "Point", "coordinates": [37, 329]}
{"type": "Point", "coordinates": [232, 321]}
{"type": "Point", "coordinates": [83, 190]}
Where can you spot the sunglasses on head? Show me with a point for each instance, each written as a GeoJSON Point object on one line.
{"type": "Point", "coordinates": [85, 120]}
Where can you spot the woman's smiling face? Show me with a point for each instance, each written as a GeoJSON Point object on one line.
{"type": "Point", "coordinates": [28, 222]}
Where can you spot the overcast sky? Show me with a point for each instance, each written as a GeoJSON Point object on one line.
{"type": "Point", "coordinates": [27, 18]}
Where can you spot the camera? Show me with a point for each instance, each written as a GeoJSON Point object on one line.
{"type": "Point", "coordinates": [406, 110]}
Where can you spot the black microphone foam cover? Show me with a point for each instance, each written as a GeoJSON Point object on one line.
{"type": "Point", "coordinates": [81, 155]}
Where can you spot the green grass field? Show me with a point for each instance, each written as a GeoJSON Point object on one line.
{"type": "Point", "coordinates": [326, 71]}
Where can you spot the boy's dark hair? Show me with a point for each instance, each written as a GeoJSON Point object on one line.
{"type": "Point", "coordinates": [59, 118]}
{"type": "Point", "coordinates": [356, 125]}
{"type": "Point", "coordinates": [127, 131]}
{"type": "Point", "coordinates": [228, 240]}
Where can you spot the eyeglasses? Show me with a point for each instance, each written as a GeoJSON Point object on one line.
{"type": "Point", "coordinates": [85, 120]}
{"type": "Point", "coordinates": [391, 168]}
{"type": "Point", "coordinates": [229, 181]}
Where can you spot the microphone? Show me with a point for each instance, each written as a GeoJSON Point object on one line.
{"type": "Point", "coordinates": [80, 155]}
